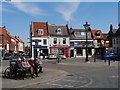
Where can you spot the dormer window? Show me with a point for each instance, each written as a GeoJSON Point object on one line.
{"type": "Point", "coordinates": [40, 31]}
{"type": "Point", "coordinates": [58, 31]}
{"type": "Point", "coordinates": [97, 33]}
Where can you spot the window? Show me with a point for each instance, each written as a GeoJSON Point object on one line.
{"type": "Point", "coordinates": [54, 50]}
{"type": "Point", "coordinates": [64, 40]}
{"type": "Point", "coordinates": [44, 41]}
{"type": "Point", "coordinates": [82, 33]}
{"type": "Point", "coordinates": [117, 50]}
{"type": "Point", "coordinates": [114, 41]}
{"type": "Point", "coordinates": [40, 32]}
{"type": "Point", "coordinates": [117, 40]}
{"type": "Point", "coordinates": [55, 41]}
{"type": "Point", "coordinates": [58, 31]}
{"type": "Point", "coordinates": [79, 52]}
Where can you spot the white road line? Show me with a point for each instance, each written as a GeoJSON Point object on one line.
{"type": "Point", "coordinates": [60, 85]}
{"type": "Point", "coordinates": [71, 81]}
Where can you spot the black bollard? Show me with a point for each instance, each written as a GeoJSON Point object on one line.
{"type": "Point", "coordinates": [105, 59]}
{"type": "Point", "coordinates": [109, 61]}
{"type": "Point", "coordinates": [94, 59]}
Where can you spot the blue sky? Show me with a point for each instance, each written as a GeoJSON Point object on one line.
{"type": "Point", "coordinates": [17, 16]}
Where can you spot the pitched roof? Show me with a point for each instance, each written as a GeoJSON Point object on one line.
{"type": "Point", "coordinates": [94, 32]}
{"type": "Point", "coordinates": [19, 39]}
{"type": "Point", "coordinates": [117, 34]}
{"type": "Point", "coordinates": [79, 37]}
{"type": "Point", "coordinates": [52, 29]}
{"type": "Point", "coordinates": [105, 36]}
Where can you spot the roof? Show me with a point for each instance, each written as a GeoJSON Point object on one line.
{"type": "Point", "coordinates": [114, 30]}
{"type": "Point", "coordinates": [19, 39]}
{"type": "Point", "coordinates": [117, 34]}
{"type": "Point", "coordinates": [79, 37]}
{"type": "Point", "coordinates": [105, 36]}
{"type": "Point", "coordinates": [94, 33]}
{"type": "Point", "coordinates": [52, 29]}
{"type": "Point", "coordinates": [14, 38]}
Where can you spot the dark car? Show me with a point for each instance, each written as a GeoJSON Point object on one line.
{"type": "Point", "coordinates": [8, 56]}
{"type": "Point", "coordinates": [111, 56]}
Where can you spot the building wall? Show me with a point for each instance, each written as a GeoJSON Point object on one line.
{"type": "Point", "coordinates": [116, 45]}
{"type": "Point", "coordinates": [59, 39]}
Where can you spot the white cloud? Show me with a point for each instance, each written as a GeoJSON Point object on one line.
{"type": "Point", "coordinates": [68, 9]}
{"type": "Point", "coordinates": [29, 8]}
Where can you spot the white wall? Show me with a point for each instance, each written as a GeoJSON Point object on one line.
{"type": "Point", "coordinates": [41, 38]}
{"type": "Point", "coordinates": [20, 46]}
{"type": "Point", "coordinates": [59, 39]}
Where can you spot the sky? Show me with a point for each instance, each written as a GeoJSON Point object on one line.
{"type": "Point", "coordinates": [17, 16]}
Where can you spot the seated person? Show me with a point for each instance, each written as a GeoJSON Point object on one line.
{"type": "Point", "coordinates": [27, 66]}
{"type": "Point", "coordinates": [33, 64]}
{"type": "Point", "coordinates": [19, 70]}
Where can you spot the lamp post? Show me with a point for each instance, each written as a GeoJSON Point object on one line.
{"type": "Point", "coordinates": [59, 52]}
{"type": "Point", "coordinates": [87, 27]}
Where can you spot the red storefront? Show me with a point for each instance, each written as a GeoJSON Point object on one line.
{"type": "Point", "coordinates": [61, 50]}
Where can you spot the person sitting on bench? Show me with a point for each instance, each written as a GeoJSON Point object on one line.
{"type": "Point", "coordinates": [27, 66]}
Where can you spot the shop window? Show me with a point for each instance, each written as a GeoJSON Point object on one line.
{"type": "Point", "coordinates": [79, 52]}
{"type": "Point", "coordinates": [64, 40]}
{"type": "Point", "coordinates": [54, 50]}
{"type": "Point", "coordinates": [89, 51]}
{"type": "Point", "coordinates": [44, 41]}
{"type": "Point", "coordinates": [55, 41]}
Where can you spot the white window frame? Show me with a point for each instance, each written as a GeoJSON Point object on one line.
{"type": "Point", "coordinates": [40, 31]}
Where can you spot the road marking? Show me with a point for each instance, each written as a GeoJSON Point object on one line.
{"type": "Point", "coordinates": [71, 81]}
{"type": "Point", "coordinates": [115, 76]}
{"type": "Point", "coordinates": [86, 85]}
{"type": "Point", "coordinates": [60, 85]}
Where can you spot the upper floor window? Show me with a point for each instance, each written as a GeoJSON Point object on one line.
{"type": "Point", "coordinates": [117, 40]}
{"type": "Point", "coordinates": [44, 41]}
{"type": "Point", "coordinates": [64, 40]}
{"type": "Point", "coordinates": [97, 33]}
{"type": "Point", "coordinates": [40, 32]}
{"type": "Point", "coordinates": [55, 41]}
{"type": "Point", "coordinates": [114, 41]}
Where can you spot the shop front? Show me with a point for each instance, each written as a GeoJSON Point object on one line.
{"type": "Point", "coordinates": [60, 50]}
{"type": "Point", "coordinates": [40, 51]}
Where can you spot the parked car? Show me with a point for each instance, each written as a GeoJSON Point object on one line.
{"type": "Point", "coordinates": [62, 56]}
{"type": "Point", "coordinates": [52, 56]}
{"type": "Point", "coordinates": [111, 56]}
{"type": "Point", "coordinates": [8, 56]}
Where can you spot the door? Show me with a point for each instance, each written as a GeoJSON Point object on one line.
{"type": "Point", "coordinates": [71, 53]}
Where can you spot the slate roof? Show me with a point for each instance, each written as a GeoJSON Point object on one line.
{"type": "Point", "coordinates": [117, 34]}
{"type": "Point", "coordinates": [53, 27]}
{"type": "Point", "coordinates": [79, 37]}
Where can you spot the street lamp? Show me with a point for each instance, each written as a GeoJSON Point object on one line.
{"type": "Point", "coordinates": [87, 27]}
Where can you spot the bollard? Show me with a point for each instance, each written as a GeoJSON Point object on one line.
{"type": "Point", "coordinates": [94, 59]}
{"type": "Point", "coordinates": [105, 59]}
{"type": "Point", "coordinates": [109, 61]}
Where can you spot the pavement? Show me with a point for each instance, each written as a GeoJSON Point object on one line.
{"type": "Point", "coordinates": [47, 76]}
{"type": "Point", "coordinates": [50, 75]}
